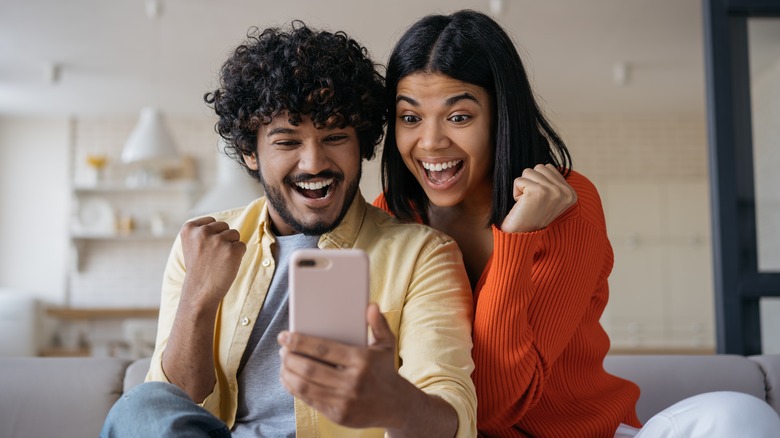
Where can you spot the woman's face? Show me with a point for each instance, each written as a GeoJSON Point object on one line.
{"type": "Point", "coordinates": [443, 132]}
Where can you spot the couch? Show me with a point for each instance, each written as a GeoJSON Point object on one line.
{"type": "Point", "coordinates": [70, 397]}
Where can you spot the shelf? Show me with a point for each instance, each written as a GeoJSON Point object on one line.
{"type": "Point", "coordinates": [116, 187]}
{"type": "Point", "coordinates": [64, 352]}
{"type": "Point", "coordinates": [93, 313]}
{"type": "Point", "coordinates": [136, 235]}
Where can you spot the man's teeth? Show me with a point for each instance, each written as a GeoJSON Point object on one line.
{"type": "Point", "coordinates": [314, 185]}
{"type": "Point", "coordinates": [438, 167]}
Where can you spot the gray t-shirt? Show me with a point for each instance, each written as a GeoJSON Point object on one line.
{"type": "Point", "coordinates": [265, 408]}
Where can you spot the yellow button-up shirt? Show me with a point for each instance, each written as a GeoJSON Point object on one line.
{"type": "Point", "coordinates": [416, 277]}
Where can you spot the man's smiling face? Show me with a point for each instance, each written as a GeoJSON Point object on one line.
{"type": "Point", "coordinates": [310, 175]}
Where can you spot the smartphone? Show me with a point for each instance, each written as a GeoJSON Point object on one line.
{"type": "Point", "coordinates": [329, 294]}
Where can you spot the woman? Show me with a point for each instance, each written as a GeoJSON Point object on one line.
{"type": "Point", "coordinates": [469, 152]}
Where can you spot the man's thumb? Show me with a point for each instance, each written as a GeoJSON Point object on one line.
{"type": "Point", "coordinates": [379, 327]}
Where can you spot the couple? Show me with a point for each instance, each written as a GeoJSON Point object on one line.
{"type": "Point", "coordinates": [468, 153]}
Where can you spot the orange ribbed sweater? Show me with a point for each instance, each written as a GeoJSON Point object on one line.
{"type": "Point", "coordinates": [538, 344]}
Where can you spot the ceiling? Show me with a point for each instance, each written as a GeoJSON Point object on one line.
{"type": "Point", "coordinates": [114, 59]}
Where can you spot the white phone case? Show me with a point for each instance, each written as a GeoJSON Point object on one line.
{"type": "Point", "coordinates": [329, 294]}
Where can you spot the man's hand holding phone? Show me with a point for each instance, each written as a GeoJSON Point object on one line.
{"type": "Point", "coordinates": [354, 386]}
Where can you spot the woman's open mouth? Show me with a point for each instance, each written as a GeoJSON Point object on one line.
{"type": "Point", "coordinates": [442, 173]}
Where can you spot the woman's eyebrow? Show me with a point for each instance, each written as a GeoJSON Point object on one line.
{"type": "Point", "coordinates": [449, 101]}
{"type": "Point", "coordinates": [408, 99]}
{"type": "Point", "coordinates": [454, 99]}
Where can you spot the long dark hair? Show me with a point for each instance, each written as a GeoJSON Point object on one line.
{"type": "Point", "coordinates": [469, 46]}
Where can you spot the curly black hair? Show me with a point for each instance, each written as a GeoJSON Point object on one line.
{"type": "Point", "coordinates": [326, 76]}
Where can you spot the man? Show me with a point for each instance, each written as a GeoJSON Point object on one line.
{"type": "Point", "coordinates": [300, 110]}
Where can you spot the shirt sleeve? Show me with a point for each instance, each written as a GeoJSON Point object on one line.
{"type": "Point", "coordinates": [435, 331]}
{"type": "Point", "coordinates": [537, 289]}
{"type": "Point", "coordinates": [173, 279]}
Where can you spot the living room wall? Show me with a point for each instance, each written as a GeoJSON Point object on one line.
{"type": "Point", "coordinates": [650, 170]}
{"type": "Point", "coordinates": [34, 206]}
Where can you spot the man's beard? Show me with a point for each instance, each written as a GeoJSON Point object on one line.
{"type": "Point", "coordinates": [317, 228]}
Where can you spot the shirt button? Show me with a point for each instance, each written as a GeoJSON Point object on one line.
{"type": "Point", "coordinates": [245, 321]}
{"type": "Point", "coordinates": [266, 262]}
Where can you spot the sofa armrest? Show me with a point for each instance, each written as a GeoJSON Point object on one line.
{"type": "Point", "coordinates": [136, 373]}
{"type": "Point", "coordinates": [57, 397]}
{"type": "Point", "coordinates": [770, 365]}
{"type": "Point", "coordinates": [665, 380]}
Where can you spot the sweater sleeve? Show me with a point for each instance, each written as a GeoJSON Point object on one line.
{"type": "Point", "coordinates": [533, 298]}
{"type": "Point", "coordinates": [381, 202]}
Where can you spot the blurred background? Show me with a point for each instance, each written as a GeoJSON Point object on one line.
{"type": "Point", "coordinates": [106, 147]}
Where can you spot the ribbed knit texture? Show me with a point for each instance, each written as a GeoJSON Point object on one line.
{"type": "Point", "coordinates": [538, 344]}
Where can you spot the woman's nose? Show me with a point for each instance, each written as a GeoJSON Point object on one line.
{"type": "Point", "coordinates": [433, 137]}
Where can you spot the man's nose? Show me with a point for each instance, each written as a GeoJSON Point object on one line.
{"type": "Point", "coordinates": [313, 159]}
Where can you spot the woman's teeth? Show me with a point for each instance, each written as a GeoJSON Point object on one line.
{"type": "Point", "coordinates": [438, 167]}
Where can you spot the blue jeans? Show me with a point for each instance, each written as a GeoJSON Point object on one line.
{"type": "Point", "coordinates": [157, 409]}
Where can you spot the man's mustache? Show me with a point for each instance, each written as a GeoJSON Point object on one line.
{"type": "Point", "coordinates": [304, 177]}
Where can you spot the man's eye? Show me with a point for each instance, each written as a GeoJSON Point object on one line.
{"type": "Point", "coordinates": [336, 138]}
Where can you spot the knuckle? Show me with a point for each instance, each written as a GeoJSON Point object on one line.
{"type": "Point", "coordinates": [301, 387]}
{"type": "Point", "coordinates": [322, 350]}
{"type": "Point", "coordinates": [338, 413]}
{"type": "Point", "coordinates": [308, 369]}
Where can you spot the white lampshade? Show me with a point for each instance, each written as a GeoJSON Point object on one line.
{"type": "Point", "coordinates": [150, 142]}
{"type": "Point", "coordinates": [234, 187]}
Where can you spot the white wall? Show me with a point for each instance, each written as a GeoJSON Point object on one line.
{"type": "Point", "coordinates": [651, 172]}
{"type": "Point", "coordinates": [766, 140]}
{"type": "Point", "coordinates": [34, 206]}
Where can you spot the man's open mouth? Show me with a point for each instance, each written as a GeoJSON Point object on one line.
{"type": "Point", "coordinates": [440, 173]}
{"type": "Point", "coordinates": [314, 189]}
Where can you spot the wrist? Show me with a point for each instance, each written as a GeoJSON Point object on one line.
{"type": "Point", "coordinates": [420, 414]}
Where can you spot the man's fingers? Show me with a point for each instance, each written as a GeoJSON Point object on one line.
{"type": "Point", "coordinates": [310, 369]}
{"type": "Point", "coordinates": [231, 235]}
{"type": "Point", "coordinates": [303, 387]}
{"type": "Point", "coordinates": [216, 227]}
{"type": "Point", "coordinates": [202, 221]}
{"type": "Point", "coordinates": [321, 349]}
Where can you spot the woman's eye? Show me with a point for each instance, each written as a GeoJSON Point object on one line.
{"type": "Point", "coordinates": [409, 120]}
{"type": "Point", "coordinates": [459, 118]}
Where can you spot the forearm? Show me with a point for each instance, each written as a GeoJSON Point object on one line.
{"type": "Point", "coordinates": [188, 359]}
{"type": "Point", "coordinates": [421, 414]}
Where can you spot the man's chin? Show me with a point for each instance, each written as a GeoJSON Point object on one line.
{"type": "Point", "coordinates": [314, 222]}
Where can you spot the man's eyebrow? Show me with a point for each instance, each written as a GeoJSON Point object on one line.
{"type": "Point", "coordinates": [281, 130]}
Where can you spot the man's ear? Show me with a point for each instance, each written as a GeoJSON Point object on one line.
{"type": "Point", "coordinates": [250, 161]}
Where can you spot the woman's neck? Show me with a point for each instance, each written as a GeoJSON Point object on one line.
{"type": "Point", "coordinates": [467, 223]}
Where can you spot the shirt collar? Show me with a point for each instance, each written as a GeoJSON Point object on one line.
{"type": "Point", "coordinates": [345, 234]}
